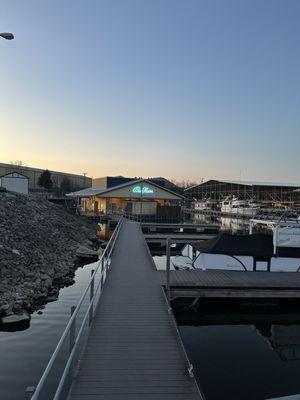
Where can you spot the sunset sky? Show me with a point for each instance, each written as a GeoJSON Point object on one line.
{"type": "Point", "coordinates": [183, 89]}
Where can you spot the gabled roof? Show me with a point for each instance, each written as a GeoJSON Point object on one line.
{"type": "Point", "coordinates": [14, 172]}
{"type": "Point", "coordinates": [95, 192]}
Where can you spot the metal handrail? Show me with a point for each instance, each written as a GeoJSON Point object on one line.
{"type": "Point", "coordinates": [39, 387]}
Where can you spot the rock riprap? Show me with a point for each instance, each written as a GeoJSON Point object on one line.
{"type": "Point", "coordinates": [39, 245]}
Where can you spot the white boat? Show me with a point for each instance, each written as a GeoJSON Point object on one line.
{"type": "Point", "coordinates": [202, 205]}
{"type": "Point", "coordinates": [255, 252]}
{"type": "Point", "coordinates": [240, 207]}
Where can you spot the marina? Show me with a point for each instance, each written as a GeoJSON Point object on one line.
{"type": "Point", "coordinates": [130, 285]}
{"type": "Point", "coordinates": [150, 200]}
{"type": "Point", "coordinates": [127, 302]}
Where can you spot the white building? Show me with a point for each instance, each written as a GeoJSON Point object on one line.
{"type": "Point", "coordinates": [14, 182]}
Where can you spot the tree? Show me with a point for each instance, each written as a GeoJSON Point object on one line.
{"type": "Point", "coordinates": [18, 163]}
{"type": "Point", "coordinates": [45, 180]}
{"type": "Point", "coordinates": [66, 185]}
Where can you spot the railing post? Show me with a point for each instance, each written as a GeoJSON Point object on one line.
{"type": "Point", "coordinates": [92, 297]}
{"type": "Point", "coordinates": [102, 272]}
{"type": "Point", "coordinates": [29, 392]}
{"type": "Point", "coordinates": [72, 342]}
{"type": "Point", "coordinates": [168, 245]}
{"type": "Point", "coordinates": [72, 331]}
{"type": "Point", "coordinates": [107, 258]}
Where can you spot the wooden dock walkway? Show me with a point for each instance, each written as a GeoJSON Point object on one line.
{"type": "Point", "coordinates": [134, 351]}
{"type": "Point", "coordinates": [226, 283]}
{"type": "Point", "coordinates": [178, 237]}
{"type": "Point", "coordinates": [184, 227]}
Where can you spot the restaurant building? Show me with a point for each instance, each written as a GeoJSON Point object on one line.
{"type": "Point", "coordinates": [136, 197]}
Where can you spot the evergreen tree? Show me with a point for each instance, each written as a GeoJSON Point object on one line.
{"type": "Point", "coordinates": [45, 180]}
{"type": "Point", "coordinates": [66, 185]}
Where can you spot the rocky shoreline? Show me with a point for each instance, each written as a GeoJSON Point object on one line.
{"type": "Point", "coordinates": [41, 246]}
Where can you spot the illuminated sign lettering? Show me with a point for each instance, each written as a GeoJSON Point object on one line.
{"type": "Point", "coordinates": [142, 190]}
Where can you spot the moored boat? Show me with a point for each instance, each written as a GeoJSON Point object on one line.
{"type": "Point", "coordinates": [254, 252]}
{"type": "Point", "coordinates": [239, 207]}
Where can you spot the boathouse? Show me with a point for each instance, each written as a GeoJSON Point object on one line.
{"type": "Point", "coordinates": [14, 182]}
{"type": "Point", "coordinates": [136, 197]}
{"type": "Point", "coordinates": [270, 193]}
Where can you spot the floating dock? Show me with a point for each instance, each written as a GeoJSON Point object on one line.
{"type": "Point", "coordinates": [154, 227]}
{"type": "Point", "coordinates": [177, 238]}
{"type": "Point", "coordinates": [238, 284]}
{"type": "Point", "coordinates": [134, 350]}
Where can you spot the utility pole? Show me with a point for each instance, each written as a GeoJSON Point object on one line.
{"type": "Point", "coordinates": [141, 210]}
{"type": "Point", "coordinates": [84, 174]}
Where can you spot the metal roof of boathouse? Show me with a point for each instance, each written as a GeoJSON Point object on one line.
{"type": "Point", "coordinates": [246, 183]}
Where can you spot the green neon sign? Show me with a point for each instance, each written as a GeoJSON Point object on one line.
{"type": "Point", "coordinates": [142, 190]}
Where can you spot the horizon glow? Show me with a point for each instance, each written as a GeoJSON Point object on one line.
{"type": "Point", "coordinates": [185, 90]}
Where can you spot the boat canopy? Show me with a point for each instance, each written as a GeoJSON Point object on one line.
{"type": "Point", "coordinates": [257, 245]}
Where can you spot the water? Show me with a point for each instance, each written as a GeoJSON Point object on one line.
{"type": "Point", "coordinates": [241, 352]}
{"type": "Point", "coordinates": [24, 354]}
{"type": "Point", "coordinates": [160, 262]}
{"type": "Point", "coordinates": [245, 361]}
{"type": "Point", "coordinates": [233, 225]}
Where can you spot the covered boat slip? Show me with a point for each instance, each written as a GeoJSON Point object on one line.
{"type": "Point", "coordinates": [134, 350]}
{"type": "Point", "coordinates": [244, 252]}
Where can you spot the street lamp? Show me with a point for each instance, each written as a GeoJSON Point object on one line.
{"type": "Point", "coordinates": [7, 35]}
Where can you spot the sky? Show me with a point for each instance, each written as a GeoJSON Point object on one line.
{"type": "Point", "coordinates": [186, 89]}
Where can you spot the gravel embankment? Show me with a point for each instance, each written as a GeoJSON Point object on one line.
{"type": "Point", "coordinates": [38, 244]}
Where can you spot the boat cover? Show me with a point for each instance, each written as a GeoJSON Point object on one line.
{"type": "Point", "coordinates": [257, 245]}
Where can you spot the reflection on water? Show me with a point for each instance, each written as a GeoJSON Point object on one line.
{"type": "Point", "coordinates": [33, 347]}
{"type": "Point", "coordinates": [160, 262]}
{"type": "Point", "coordinates": [284, 339]}
{"type": "Point", "coordinates": [105, 231]}
{"type": "Point", "coordinates": [243, 353]}
{"type": "Point", "coordinates": [233, 225]}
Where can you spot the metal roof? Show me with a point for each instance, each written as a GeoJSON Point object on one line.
{"type": "Point", "coordinates": [95, 192]}
{"type": "Point", "coordinates": [34, 169]}
{"type": "Point", "coordinates": [86, 192]}
{"type": "Point", "coordinates": [260, 183]}
{"type": "Point", "coordinates": [249, 183]}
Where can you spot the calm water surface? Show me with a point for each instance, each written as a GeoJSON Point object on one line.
{"type": "Point", "coordinates": [24, 354]}
{"type": "Point", "coordinates": [237, 362]}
